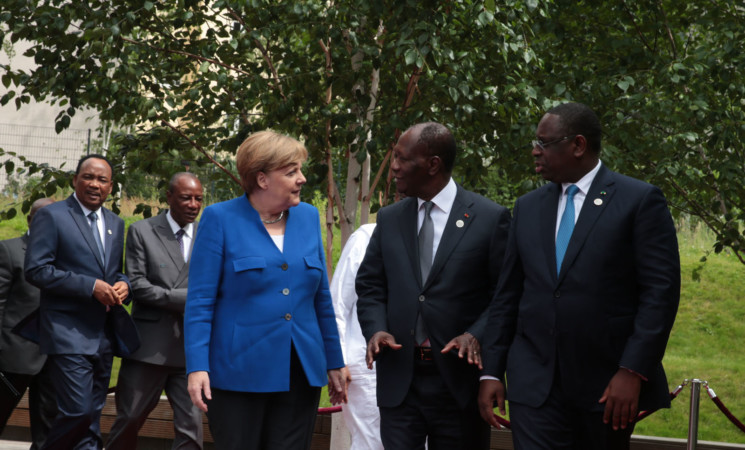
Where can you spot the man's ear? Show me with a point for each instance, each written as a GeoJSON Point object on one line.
{"type": "Point", "coordinates": [434, 165]}
{"type": "Point", "coordinates": [580, 146]}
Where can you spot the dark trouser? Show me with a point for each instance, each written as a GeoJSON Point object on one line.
{"type": "Point", "coordinates": [268, 421]}
{"type": "Point", "coordinates": [138, 390]}
{"type": "Point", "coordinates": [430, 413]}
{"type": "Point", "coordinates": [81, 383]}
{"type": "Point", "coordinates": [41, 399]}
{"type": "Point", "coordinates": [558, 424]}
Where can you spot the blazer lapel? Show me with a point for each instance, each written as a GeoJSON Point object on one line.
{"type": "Point", "coordinates": [602, 189]}
{"type": "Point", "coordinates": [407, 225]}
{"type": "Point", "coordinates": [110, 225]}
{"type": "Point", "coordinates": [548, 209]}
{"type": "Point", "coordinates": [459, 220]}
{"type": "Point", "coordinates": [84, 226]}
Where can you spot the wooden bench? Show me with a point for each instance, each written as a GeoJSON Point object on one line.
{"type": "Point", "coordinates": [156, 432]}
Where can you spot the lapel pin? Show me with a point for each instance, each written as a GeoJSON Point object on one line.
{"type": "Point", "coordinates": [459, 223]}
{"type": "Point", "coordinates": [598, 202]}
{"type": "Point", "coordinates": [109, 231]}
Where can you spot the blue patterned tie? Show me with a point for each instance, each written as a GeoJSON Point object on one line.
{"type": "Point", "coordinates": [566, 226]}
{"type": "Point", "coordinates": [180, 238]}
{"type": "Point", "coordinates": [96, 235]}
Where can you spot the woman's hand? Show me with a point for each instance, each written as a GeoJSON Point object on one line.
{"type": "Point", "coordinates": [199, 382]}
{"type": "Point", "coordinates": [338, 381]}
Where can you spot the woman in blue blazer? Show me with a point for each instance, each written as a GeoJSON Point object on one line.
{"type": "Point", "coordinates": [260, 333]}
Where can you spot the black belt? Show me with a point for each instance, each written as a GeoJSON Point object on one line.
{"type": "Point", "coordinates": [423, 353]}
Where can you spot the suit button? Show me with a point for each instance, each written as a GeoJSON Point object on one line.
{"type": "Point", "coordinates": [286, 291]}
{"type": "Point", "coordinates": [557, 293]}
{"type": "Point", "coordinates": [284, 266]}
{"type": "Point", "coordinates": [421, 298]}
{"type": "Point", "coordinates": [288, 316]}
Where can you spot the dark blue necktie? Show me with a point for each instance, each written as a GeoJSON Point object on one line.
{"type": "Point", "coordinates": [566, 226]}
{"type": "Point", "coordinates": [180, 238]}
{"type": "Point", "coordinates": [96, 235]}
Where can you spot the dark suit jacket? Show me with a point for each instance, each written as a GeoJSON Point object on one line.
{"type": "Point", "coordinates": [18, 299]}
{"type": "Point", "coordinates": [63, 261]}
{"type": "Point", "coordinates": [453, 299]}
{"type": "Point", "coordinates": [613, 304]}
{"type": "Point", "coordinates": [159, 276]}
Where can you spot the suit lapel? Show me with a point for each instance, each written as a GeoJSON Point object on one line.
{"type": "Point", "coordinates": [84, 226]}
{"type": "Point", "coordinates": [602, 189]}
{"type": "Point", "coordinates": [408, 230]}
{"type": "Point", "coordinates": [548, 209]}
{"type": "Point", "coordinates": [110, 228]}
{"type": "Point", "coordinates": [162, 230]}
{"type": "Point", "coordinates": [459, 221]}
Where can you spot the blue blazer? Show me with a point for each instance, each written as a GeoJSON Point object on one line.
{"type": "Point", "coordinates": [248, 302]}
{"type": "Point", "coordinates": [62, 260]}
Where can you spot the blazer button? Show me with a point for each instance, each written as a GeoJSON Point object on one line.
{"type": "Point", "coordinates": [286, 291]}
{"type": "Point", "coordinates": [284, 266]}
{"type": "Point", "coordinates": [557, 293]}
{"type": "Point", "coordinates": [421, 298]}
{"type": "Point", "coordinates": [288, 316]}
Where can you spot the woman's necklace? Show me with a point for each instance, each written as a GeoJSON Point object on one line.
{"type": "Point", "coordinates": [269, 222]}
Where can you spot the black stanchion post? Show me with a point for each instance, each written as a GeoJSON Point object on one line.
{"type": "Point", "coordinates": [693, 414]}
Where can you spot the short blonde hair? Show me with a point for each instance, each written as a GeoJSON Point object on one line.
{"type": "Point", "coordinates": [265, 151]}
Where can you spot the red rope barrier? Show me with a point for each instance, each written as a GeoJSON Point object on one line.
{"type": "Point", "coordinates": [735, 421]}
{"type": "Point", "coordinates": [330, 410]}
{"type": "Point", "coordinates": [644, 414]}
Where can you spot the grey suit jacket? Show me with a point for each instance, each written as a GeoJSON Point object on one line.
{"type": "Point", "coordinates": [452, 300]}
{"type": "Point", "coordinates": [159, 277]}
{"type": "Point", "coordinates": [18, 299]}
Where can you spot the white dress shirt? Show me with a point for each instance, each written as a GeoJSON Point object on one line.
{"type": "Point", "coordinates": [443, 203]}
{"type": "Point", "coordinates": [186, 238]}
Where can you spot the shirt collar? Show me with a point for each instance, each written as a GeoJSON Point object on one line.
{"type": "Point", "coordinates": [86, 211]}
{"type": "Point", "coordinates": [585, 182]}
{"type": "Point", "coordinates": [444, 199]}
{"type": "Point", "coordinates": [175, 226]}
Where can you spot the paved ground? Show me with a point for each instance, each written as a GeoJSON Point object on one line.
{"type": "Point", "coordinates": [14, 445]}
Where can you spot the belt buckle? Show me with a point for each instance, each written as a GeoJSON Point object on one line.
{"type": "Point", "coordinates": [423, 353]}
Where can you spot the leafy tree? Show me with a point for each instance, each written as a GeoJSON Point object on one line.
{"type": "Point", "coordinates": [196, 77]}
{"type": "Point", "coordinates": [666, 78]}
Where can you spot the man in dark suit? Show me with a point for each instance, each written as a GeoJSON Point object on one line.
{"type": "Point", "coordinates": [20, 361]}
{"type": "Point", "coordinates": [424, 286]}
{"type": "Point", "coordinates": [74, 257]}
{"type": "Point", "coordinates": [157, 264]}
{"type": "Point", "coordinates": [587, 298]}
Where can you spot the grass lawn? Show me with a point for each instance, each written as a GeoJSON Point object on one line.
{"type": "Point", "coordinates": [704, 343]}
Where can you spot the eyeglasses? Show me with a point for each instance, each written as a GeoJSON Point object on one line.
{"type": "Point", "coordinates": [543, 145]}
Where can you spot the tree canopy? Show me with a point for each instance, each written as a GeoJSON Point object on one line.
{"type": "Point", "coordinates": [193, 78]}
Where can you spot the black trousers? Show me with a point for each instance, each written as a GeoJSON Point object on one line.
{"type": "Point", "coordinates": [429, 413]}
{"type": "Point", "coordinates": [41, 399]}
{"type": "Point", "coordinates": [558, 424]}
{"type": "Point", "coordinates": [265, 421]}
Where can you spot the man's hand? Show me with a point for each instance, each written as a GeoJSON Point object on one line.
{"type": "Point", "coordinates": [467, 345]}
{"type": "Point", "coordinates": [106, 294]}
{"type": "Point", "coordinates": [621, 399]}
{"type": "Point", "coordinates": [338, 381]}
{"type": "Point", "coordinates": [199, 382]}
{"type": "Point", "coordinates": [380, 340]}
{"type": "Point", "coordinates": [122, 290]}
{"type": "Point", "coordinates": [491, 391]}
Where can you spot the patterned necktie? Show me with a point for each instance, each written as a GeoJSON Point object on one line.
{"type": "Point", "coordinates": [180, 238]}
{"type": "Point", "coordinates": [426, 242]}
{"type": "Point", "coordinates": [566, 226]}
{"type": "Point", "coordinates": [93, 217]}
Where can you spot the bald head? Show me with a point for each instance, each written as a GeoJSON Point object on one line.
{"type": "Point", "coordinates": [37, 205]}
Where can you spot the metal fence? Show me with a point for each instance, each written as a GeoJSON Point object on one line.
{"type": "Point", "coordinates": [43, 145]}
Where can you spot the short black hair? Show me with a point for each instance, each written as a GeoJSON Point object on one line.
{"type": "Point", "coordinates": [578, 118]}
{"type": "Point", "coordinates": [439, 142]}
{"type": "Point", "coordinates": [176, 176]}
{"type": "Point", "coordinates": [97, 156]}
